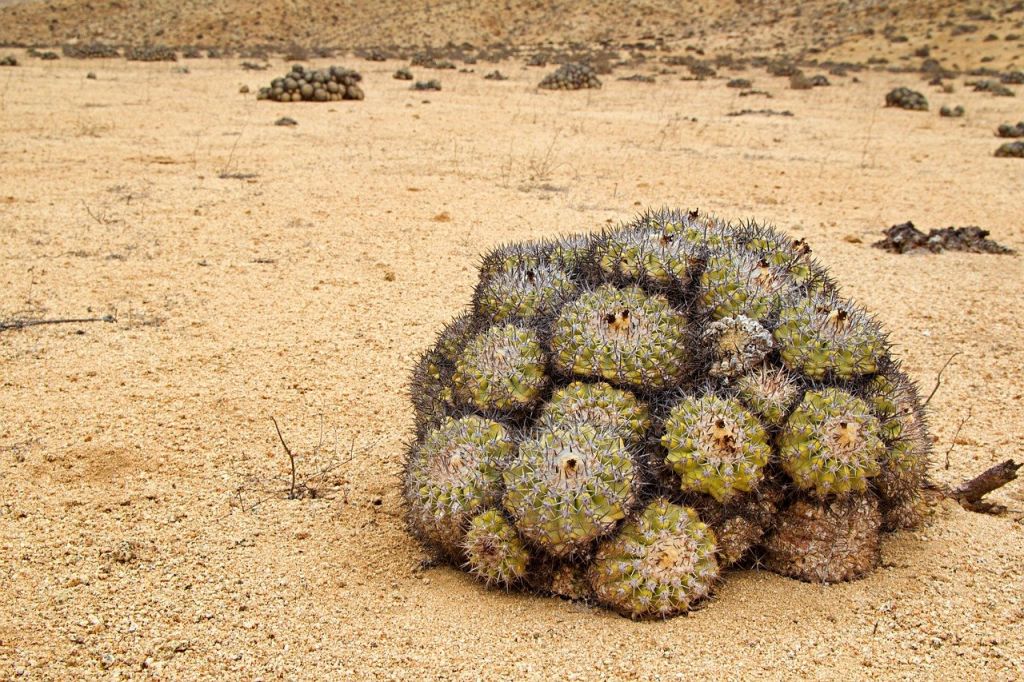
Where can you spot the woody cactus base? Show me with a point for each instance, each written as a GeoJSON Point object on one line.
{"type": "Point", "coordinates": [621, 417]}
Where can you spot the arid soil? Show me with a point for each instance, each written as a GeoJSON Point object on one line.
{"type": "Point", "coordinates": [296, 272]}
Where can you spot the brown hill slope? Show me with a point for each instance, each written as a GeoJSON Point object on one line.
{"type": "Point", "coordinates": [358, 23]}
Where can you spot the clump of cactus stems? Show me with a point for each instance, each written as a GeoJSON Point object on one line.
{"type": "Point", "coordinates": [332, 84]}
{"type": "Point", "coordinates": [621, 417]}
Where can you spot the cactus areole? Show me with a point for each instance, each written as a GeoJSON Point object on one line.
{"type": "Point", "coordinates": [621, 417]}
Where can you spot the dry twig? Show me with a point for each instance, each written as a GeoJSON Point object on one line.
{"type": "Point", "coordinates": [21, 323]}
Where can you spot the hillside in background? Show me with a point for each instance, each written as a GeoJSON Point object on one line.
{"type": "Point", "coordinates": [822, 26]}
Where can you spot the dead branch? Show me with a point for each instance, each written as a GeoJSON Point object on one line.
{"type": "Point", "coordinates": [298, 485]}
{"type": "Point", "coordinates": [22, 323]}
{"type": "Point", "coordinates": [291, 458]}
{"type": "Point", "coordinates": [970, 493]}
{"type": "Point", "coordinates": [938, 378]}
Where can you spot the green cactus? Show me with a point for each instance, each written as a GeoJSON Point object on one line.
{"type": "Point", "coordinates": [715, 446]}
{"type": "Point", "coordinates": [825, 336]}
{"type": "Point", "coordinates": [513, 256]}
{"type": "Point", "coordinates": [770, 392]}
{"type": "Point", "coordinates": [494, 551]}
{"type": "Point", "coordinates": [570, 484]}
{"type": "Point", "coordinates": [793, 255]}
{"type": "Point", "coordinates": [738, 282]}
{"type": "Point", "coordinates": [501, 369]}
{"type": "Point", "coordinates": [659, 564]}
{"type": "Point", "coordinates": [569, 254]}
{"type": "Point", "coordinates": [676, 355]}
{"type": "Point", "coordinates": [624, 336]}
{"type": "Point", "coordinates": [697, 228]}
{"type": "Point", "coordinates": [647, 255]}
{"type": "Point", "coordinates": [451, 475]}
{"type": "Point", "coordinates": [831, 444]}
{"type": "Point", "coordinates": [523, 292]}
{"type": "Point", "coordinates": [895, 401]}
{"type": "Point", "coordinates": [600, 404]}
{"type": "Point", "coordinates": [430, 388]}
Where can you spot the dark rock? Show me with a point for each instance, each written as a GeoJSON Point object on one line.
{"type": "Point", "coordinates": [905, 238]}
{"type": "Point", "coordinates": [1014, 150]}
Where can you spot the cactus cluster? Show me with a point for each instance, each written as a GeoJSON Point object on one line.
{"type": "Point", "coordinates": [622, 416]}
{"type": "Point", "coordinates": [571, 77]}
{"type": "Point", "coordinates": [905, 98]}
{"type": "Point", "coordinates": [332, 84]}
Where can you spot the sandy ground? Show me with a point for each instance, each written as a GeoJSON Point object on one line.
{"type": "Point", "coordinates": [306, 292]}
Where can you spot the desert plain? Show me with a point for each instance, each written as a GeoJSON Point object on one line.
{"type": "Point", "coordinates": [253, 271]}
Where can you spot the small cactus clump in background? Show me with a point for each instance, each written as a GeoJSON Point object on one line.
{"type": "Point", "coordinates": [571, 77]}
{"type": "Point", "coordinates": [621, 417]}
{"type": "Point", "coordinates": [332, 84]}
{"type": "Point", "coordinates": [905, 98]}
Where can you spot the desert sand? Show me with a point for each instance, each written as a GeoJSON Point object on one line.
{"type": "Point", "coordinates": [296, 272]}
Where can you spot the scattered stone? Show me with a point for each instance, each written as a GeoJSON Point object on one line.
{"type": "Point", "coordinates": [403, 74]}
{"type": "Point", "coordinates": [496, 76]}
{"type": "Point", "coordinates": [427, 85]}
{"type": "Point", "coordinates": [332, 84]}
{"type": "Point", "coordinates": [571, 77]}
{"type": "Point", "coordinates": [253, 66]}
{"type": "Point", "coordinates": [151, 53]}
{"type": "Point", "coordinates": [905, 238]}
{"type": "Point", "coordinates": [739, 83]}
{"type": "Point", "coordinates": [244, 90]}
{"type": "Point", "coordinates": [760, 112]}
{"type": "Point", "coordinates": [956, 112]}
{"type": "Point", "coordinates": [91, 75]}
{"type": "Point", "coordinates": [638, 78]}
{"type": "Point", "coordinates": [429, 61]}
{"type": "Point", "coordinates": [286, 121]}
{"type": "Point", "coordinates": [995, 87]}
{"type": "Point", "coordinates": [701, 70]}
{"type": "Point", "coordinates": [905, 98]}
{"type": "Point", "coordinates": [1011, 150]}
{"type": "Point", "coordinates": [9, 60]}
{"type": "Point", "coordinates": [90, 51]}
{"type": "Point", "coordinates": [1009, 130]}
